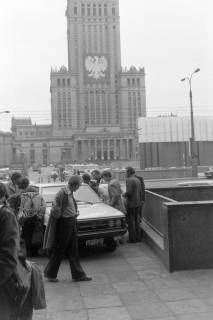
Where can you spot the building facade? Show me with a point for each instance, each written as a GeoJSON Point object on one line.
{"type": "Point", "coordinates": [95, 103]}
{"type": "Point", "coordinates": [164, 141]}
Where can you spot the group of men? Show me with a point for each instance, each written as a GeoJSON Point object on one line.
{"type": "Point", "coordinates": [129, 202]}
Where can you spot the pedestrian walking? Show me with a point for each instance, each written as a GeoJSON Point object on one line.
{"type": "Point", "coordinates": [65, 210]}
{"type": "Point", "coordinates": [133, 197]}
{"type": "Point", "coordinates": [12, 186]}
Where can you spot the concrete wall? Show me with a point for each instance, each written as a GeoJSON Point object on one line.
{"type": "Point", "coordinates": [180, 232]}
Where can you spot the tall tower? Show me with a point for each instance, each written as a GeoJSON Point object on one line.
{"type": "Point", "coordinates": [95, 103]}
{"type": "Point", "coordinates": [93, 31]}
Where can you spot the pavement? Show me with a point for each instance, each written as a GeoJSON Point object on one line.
{"type": "Point", "coordinates": [128, 284]}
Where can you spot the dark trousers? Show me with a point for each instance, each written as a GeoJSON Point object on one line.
{"type": "Point", "coordinates": [27, 231]}
{"type": "Point", "coordinates": [66, 243]}
{"type": "Point", "coordinates": [133, 221]}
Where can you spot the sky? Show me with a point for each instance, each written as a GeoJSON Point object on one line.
{"type": "Point", "coordinates": [169, 38]}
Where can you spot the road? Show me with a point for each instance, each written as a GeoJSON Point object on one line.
{"type": "Point", "coordinates": [129, 284]}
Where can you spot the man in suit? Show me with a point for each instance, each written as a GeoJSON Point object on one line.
{"type": "Point", "coordinates": [133, 197]}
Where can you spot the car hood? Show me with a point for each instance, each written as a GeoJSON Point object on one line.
{"type": "Point", "coordinates": [95, 211]}
{"type": "Point", "coordinates": [98, 211]}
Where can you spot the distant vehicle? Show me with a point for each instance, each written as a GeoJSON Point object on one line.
{"type": "Point", "coordinates": [209, 174]}
{"type": "Point", "coordinates": [97, 222]}
{"type": "Point", "coordinates": [195, 183]}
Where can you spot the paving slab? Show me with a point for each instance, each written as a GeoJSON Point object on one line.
{"type": "Point", "coordinates": [128, 284]}
{"type": "Point", "coordinates": [102, 301]}
{"type": "Point", "coordinates": [188, 306]}
{"type": "Point", "coordinates": [109, 313]}
{"type": "Point", "coordinates": [149, 311]}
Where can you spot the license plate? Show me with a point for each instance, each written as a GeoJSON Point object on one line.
{"type": "Point", "coordinates": [95, 242]}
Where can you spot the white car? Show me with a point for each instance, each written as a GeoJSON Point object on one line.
{"type": "Point", "coordinates": [96, 219]}
{"type": "Point", "coordinates": [195, 183]}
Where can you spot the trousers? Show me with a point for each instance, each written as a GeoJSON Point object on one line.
{"type": "Point", "coordinates": [133, 222]}
{"type": "Point", "coordinates": [66, 242]}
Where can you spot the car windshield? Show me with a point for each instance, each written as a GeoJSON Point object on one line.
{"type": "Point", "coordinates": [83, 194]}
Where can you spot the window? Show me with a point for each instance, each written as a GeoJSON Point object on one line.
{"type": "Point", "coordinates": [133, 82]}
{"type": "Point", "coordinates": [83, 10]}
{"type": "Point", "coordinates": [88, 9]}
{"type": "Point", "coordinates": [63, 83]}
{"type": "Point", "coordinates": [100, 10]}
{"type": "Point", "coordinates": [68, 82]}
{"type": "Point", "coordinates": [26, 133]}
{"type": "Point", "coordinates": [113, 11]}
{"type": "Point", "coordinates": [31, 133]}
{"type": "Point", "coordinates": [105, 10]}
{"type": "Point", "coordinates": [32, 156]}
{"type": "Point", "coordinates": [94, 10]}
{"type": "Point", "coordinates": [128, 82]}
{"type": "Point", "coordinates": [58, 82]}
{"type": "Point", "coordinates": [138, 82]}
{"type": "Point", "coordinates": [75, 11]}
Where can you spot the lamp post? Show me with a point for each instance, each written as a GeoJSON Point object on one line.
{"type": "Point", "coordinates": [192, 139]}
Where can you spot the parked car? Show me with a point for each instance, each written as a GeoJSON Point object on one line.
{"type": "Point", "coordinates": [96, 220]}
{"type": "Point", "coordinates": [209, 174]}
{"type": "Point", "coordinates": [195, 183]}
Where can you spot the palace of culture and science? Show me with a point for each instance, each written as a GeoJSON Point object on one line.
{"type": "Point", "coordinates": [95, 103]}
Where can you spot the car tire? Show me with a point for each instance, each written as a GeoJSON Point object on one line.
{"type": "Point", "coordinates": [110, 244]}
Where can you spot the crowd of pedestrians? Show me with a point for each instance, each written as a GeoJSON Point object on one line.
{"type": "Point", "coordinates": [22, 212]}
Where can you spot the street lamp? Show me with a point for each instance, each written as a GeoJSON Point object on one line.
{"type": "Point", "coordinates": [192, 140]}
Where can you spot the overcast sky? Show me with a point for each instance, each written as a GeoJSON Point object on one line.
{"type": "Point", "coordinates": [170, 38]}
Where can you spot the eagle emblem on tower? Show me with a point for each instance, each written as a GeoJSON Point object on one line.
{"type": "Point", "coordinates": [96, 66]}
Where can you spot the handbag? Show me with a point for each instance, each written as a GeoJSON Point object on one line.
{"type": "Point", "coordinates": [18, 286]}
{"type": "Point", "coordinates": [38, 292]}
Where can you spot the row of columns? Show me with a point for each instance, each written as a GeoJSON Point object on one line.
{"type": "Point", "coordinates": [106, 149]}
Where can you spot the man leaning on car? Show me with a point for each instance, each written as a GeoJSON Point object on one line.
{"type": "Point", "coordinates": [65, 210]}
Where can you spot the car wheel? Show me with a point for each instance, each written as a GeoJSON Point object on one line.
{"type": "Point", "coordinates": [110, 244]}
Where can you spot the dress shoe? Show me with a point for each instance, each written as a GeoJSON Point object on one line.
{"type": "Point", "coordinates": [85, 278]}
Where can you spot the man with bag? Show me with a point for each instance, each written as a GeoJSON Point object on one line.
{"type": "Point", "coordinates": [65, 211]}
{"type": "Point", "coordinates": [30, 208]}
{"type": "Point", "coordinates": [9, 246]}
{"type": "Point", "coordinates": [15, 301]}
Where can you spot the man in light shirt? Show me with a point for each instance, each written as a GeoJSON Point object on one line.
{"type": "Point", "coordinates": [66, 235]}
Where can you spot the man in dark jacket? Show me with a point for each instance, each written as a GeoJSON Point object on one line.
{"type": "Point", "coordinates": [133, 197]}
{"type": "Point", "coordinates": [9, 247]}
{"type": "Point", "coordinates": [66, 237]}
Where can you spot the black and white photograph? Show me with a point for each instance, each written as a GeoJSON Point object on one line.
{"type": "Point", "coordinates": [106, 160]}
